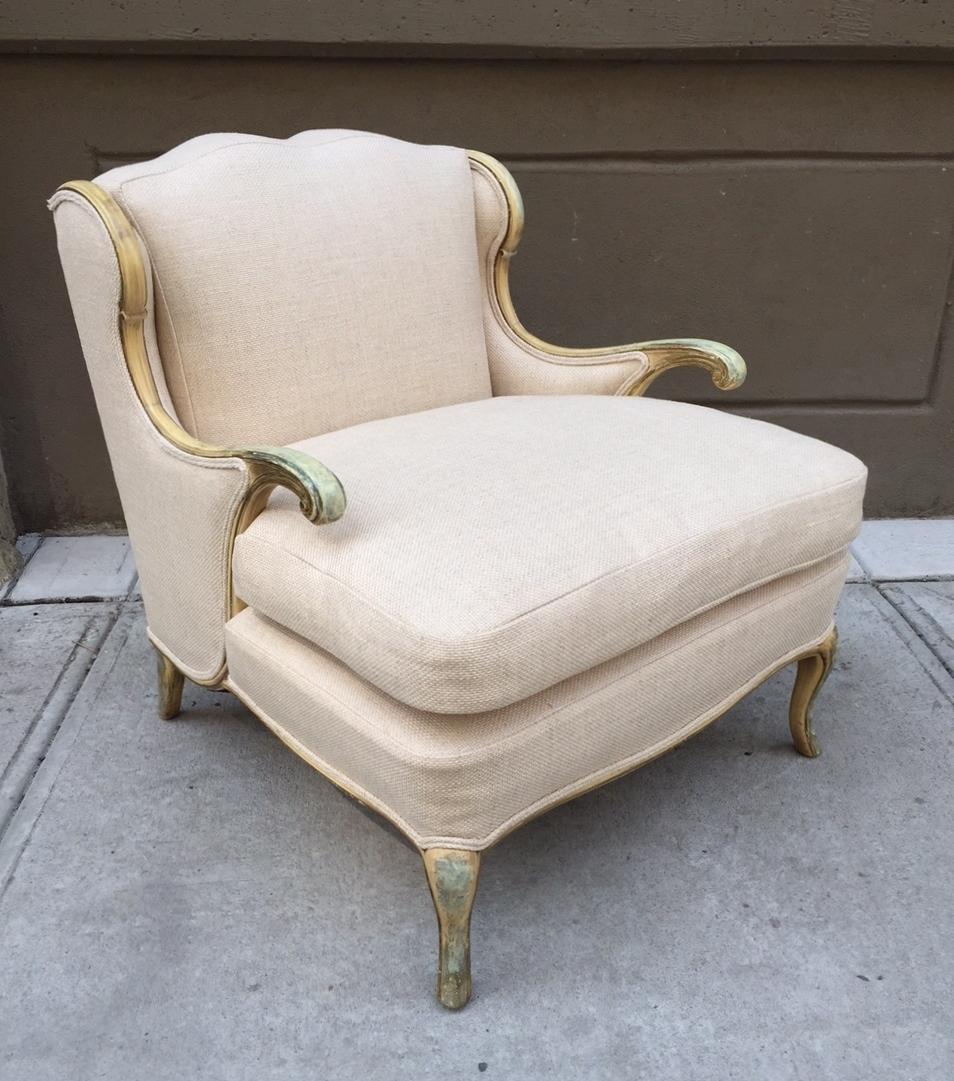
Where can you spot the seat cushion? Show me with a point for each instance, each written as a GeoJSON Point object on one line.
{"type": "Point", "coordinates": [495, 548]}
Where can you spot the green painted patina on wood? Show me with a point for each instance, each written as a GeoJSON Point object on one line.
{"type": "Point", "coordinates": [452, 878]}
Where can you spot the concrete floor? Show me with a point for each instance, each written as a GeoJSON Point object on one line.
{"type": "Point", "coordinates": [189, 900]}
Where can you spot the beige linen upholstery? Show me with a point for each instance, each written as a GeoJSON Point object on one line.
{"type": "Point", "coordinates": [467, 780]}
{"type": "Point", "coordinates": [178, 507]}
{"type": "Point", "coordinates": [363, 301]}
{"type": "Point", "coordinates": [494, 548]}
{"type": "Point", "coordinates": [306, 284]}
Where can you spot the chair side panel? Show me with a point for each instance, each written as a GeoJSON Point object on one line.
{"type": "Point", "coordinates": [178, 511]}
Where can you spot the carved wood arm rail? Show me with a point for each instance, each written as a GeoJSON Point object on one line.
{"type": "Point", "coordinates": [319, 491]}
{"type": "Point", "coordinates": [723, 363]}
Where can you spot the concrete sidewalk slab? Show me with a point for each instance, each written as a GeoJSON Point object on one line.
{"type": "Point", "coordinates": [75, 569]}
{"type": "Point", "coordinates": [188, 899]}
{"type": "Point", "coordinates": [45, 653]}
{"type": "Point", "coordinates": [929, 608]}
{"type": "Point", "coordinates": [905, 548]}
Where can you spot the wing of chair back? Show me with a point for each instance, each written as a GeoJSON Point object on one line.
{"type": "Point", "coordinates": [522, 363]}
{"type": "Point", "coordinates": [184, 499]}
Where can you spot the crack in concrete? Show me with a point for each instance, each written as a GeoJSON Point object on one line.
{"type": "Point", "coordinates": [948, 691]}
{"type": "Point", "coordinates": [901, 603]}
{"type": "Point", "coordinates": [9, 602]}
{"type": "Point", "coordinates": [16, 776]}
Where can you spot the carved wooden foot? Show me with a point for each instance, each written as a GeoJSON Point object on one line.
{"type": "Point", "coordinates": [171, 681]}
{"type": "Point", "coordinates": [452, 878]}
{"type": "Point", "coordinates": [813, 669]}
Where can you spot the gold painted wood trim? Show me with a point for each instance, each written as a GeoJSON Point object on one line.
{"type": "Point", "coordinates": [813, 669]}
{"type": "Point", "coordinates": [723, 363]}
{"type": "Point", "coordinates": [171, 682]}
{"type": "Point", "coordinates": [320, 493]}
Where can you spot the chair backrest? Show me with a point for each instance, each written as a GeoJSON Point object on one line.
{"type": "Point", "coordinates": [308, 284]}
{"type": "Point", "coordinates": [294, 287]}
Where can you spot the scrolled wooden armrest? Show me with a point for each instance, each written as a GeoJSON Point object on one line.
{"type": "Point", "coordinates": [723, 363]}
{"type": "Point", "coordinates": [320, 494]}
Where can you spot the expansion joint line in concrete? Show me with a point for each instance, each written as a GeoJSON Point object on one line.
{"type": "Point", "coordinates": [33, 749]}
{"type": "Point", "coordinates": [944, 685]}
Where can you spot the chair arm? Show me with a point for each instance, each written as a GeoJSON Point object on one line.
{"type": "Point", "coordinates": [320, 494]}
{"type": "Point", "coordinates": [652, 358]}
{"type": "Point", "coordinates": [723, 363]}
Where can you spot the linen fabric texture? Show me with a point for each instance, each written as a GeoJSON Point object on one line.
{"type": "Point", "coordinates": [307, 284]}
{"type": "Point", "coordinates": [466, 781]}
{"type": "Point", "coordinates": [494, 548]}
{"type": "Point", "coordinates": [268, 282]}
{"type": "Point", "coordinates": [178, 507]}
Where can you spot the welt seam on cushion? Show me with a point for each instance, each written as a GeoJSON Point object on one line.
{"type": "Point", "coordinates": [697, 613]}
{"type": "Point", "coordinates": [700, 637]}
{"type": "Point", "coordinates": [691, 615]}
{"type": "Point", "coordinates": [511, 736]}
{"type": "Point", "coordinates": [377, 733]}
{"type": "Point", "coordinates": [470, 640]}
{"type": "Point", "coordinates": [696, 537]}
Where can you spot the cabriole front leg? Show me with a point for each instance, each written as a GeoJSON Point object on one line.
{"type": "Point", "coordinates": [812, 672]}
{"type": "Point", "coordinates": [452, 878]}
{"type": "Point", "coordinates": [171, 682]}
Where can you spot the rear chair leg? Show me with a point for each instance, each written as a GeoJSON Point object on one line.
{"type": "Point", "coordinates": [170, 687]}
{"type": "Point", "coordinates": [813, 669]}
{"type": "Point", "coordinates": [452, 878]}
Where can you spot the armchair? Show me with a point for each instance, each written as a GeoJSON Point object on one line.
{"type": "Point", "coordinates": [542, 579]}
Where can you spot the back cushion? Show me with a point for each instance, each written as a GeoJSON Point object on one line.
{"type": "Point", "coordinates": [308, 284]}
